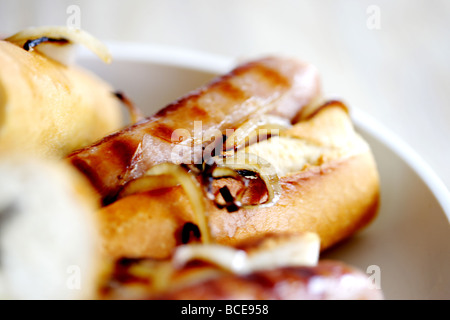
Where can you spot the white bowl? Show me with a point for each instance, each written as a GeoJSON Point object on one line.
{"type": "Point", "coordinates": [409, 241]}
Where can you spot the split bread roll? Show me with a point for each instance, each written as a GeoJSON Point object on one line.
{"type": "Point", "coordinates": [49, 245]}
{"type": "Point", "coordinates": [48, 108]}
{"type": "Point", "coordinates": [329, 185]}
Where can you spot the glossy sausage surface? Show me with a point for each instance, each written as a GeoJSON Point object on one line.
{"type": "Point", "coordinates": [328, 280]}
{"type": "Point", "coordinates": [270, 85]}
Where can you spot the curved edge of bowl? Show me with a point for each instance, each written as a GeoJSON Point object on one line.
{"type": "Point", "coordinates": [407, 154]}
{"type": "Point", "coordinates": [164, 54]}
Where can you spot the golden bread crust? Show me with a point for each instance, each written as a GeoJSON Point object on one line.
{"type": "Point", "coordinates": [49, 109]}
{"type": "Point", "coordinates": [334, 200]}
{"type": "Point", "coordinates": [335, 195]}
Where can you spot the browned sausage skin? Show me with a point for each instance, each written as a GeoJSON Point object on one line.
{"type": "Point", "coordinates": [321, 282]}
{"type": "Point", "coordinates": [271, 85]}
{"type": "Point", "coordinates": [328, 280]}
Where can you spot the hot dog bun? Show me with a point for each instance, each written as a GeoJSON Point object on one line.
{"type": "Point", "coordinates": [196, 230]}
{"type": "Point", "coordinates": [49, 109]}
{"type": "Point", "coordinates": [329, 183]}
{"type": "Point", "coordinates": [329, 179]}
{"type": "Point", "coordinates": [272, 85]}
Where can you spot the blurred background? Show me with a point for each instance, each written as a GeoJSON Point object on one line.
{"type": "Point", "coordinates": [390, 59]}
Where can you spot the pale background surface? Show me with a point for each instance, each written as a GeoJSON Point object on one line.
{"type": "Point", "coordinates": [398, 72]}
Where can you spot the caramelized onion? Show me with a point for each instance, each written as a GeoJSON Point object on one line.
{"type": "Point", "coordinates": [280, 251]}
{"type": "Point", "coordinates": [134, 112]}
{"type": "Point", "coordinates": [148, 183]}
{"type": "Point", "coordinates": [59, 37]}
{"type": "Point", "coordinates": [227, 257]}
{"type": "Point", "coordinates": [247, 162]}
{"type": "Point", "coordinates": [30, 44]}
{"type": "Point", "coordinates": [157, 273]}
{"type": "Point", "coordinates": [249, 131]}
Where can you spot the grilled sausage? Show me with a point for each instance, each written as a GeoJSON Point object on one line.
{"type": "Point", "coordinates": [328, 280]}
{"type": "Point", "coordinates": [329, 185]}
{"type": "Point", "coordinates": [322, 282]}
{"type": "Point", "coordinates": [272, 85]}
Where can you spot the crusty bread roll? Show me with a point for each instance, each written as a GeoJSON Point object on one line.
{"type": "Point", "coordinates": [49, 245]}
{"type": "Point", "coordinates": [49, 109]}
{"type": "Point", "coordinates": [329, 179]}
{"type": "Point", "coordinates": [329, 185]}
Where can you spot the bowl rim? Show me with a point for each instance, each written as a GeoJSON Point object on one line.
{"type": "Point", "coordinates": [397, 145]}
{"type": "Point", "coordinates": [216, 63]}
